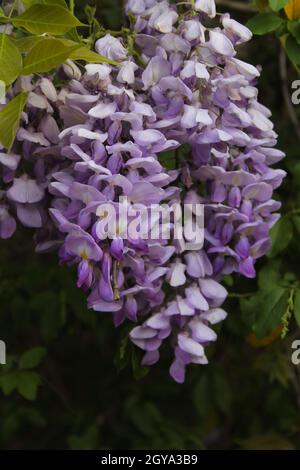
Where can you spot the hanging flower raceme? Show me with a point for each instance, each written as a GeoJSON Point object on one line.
{"type": "Point", "coordinates": [27, 169]}
{"type": "Point", "coordinates": [93, 149]}
{"type": "Point", "coordinates": [205, 97]}
{"type": "Point", "coordinates": [112, 164]}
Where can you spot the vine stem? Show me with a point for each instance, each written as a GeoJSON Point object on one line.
{"type": "Point", "coordinates": [192, 7]}
{"type": "Point", "coordinates": [12, 8]}
{"type": "Point", "coordinates": [240, 296]}
{"type": "Point", "coordinates": [285, 320]}
{"type": "Point", "coordinates": [236, 6]}
{"type": "Point", "coordinates": [72, 6]}
{"type": "Point", "coordinates": [10, 13]}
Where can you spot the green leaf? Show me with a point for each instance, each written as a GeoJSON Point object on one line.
{"type": "Point", "coordinates": [139, 371]}
{"type": "Point", "coordinates": [264, 23]}
{"type": "Point", "coordinates": [84, 53]}
{"type": "Point", "coordinates": [26, 43]}
{"type": "Point", "coordinates": [270, 441]}
{"type": "Point", "coordinates": [222, 393]}
{"type": "Point", "coordinates": [266, 307]}
{"type": "Point", "coordinates": [73, 35]}
{"type": "Point", "coordinates": [168, 159]}
{"type": "Point", "coordinates": [202, 395]}
{"type": "Point", "coordinates": [46, 55]}
{"type": "Point", "coordinates": [261, 5]}
{"type": "Point", "coordinates": [296, 222]}
{"type": "Point", "coordinates": [281, 234]}
{"type": "Point", "coordinates": [29, 3]}
{"type": "Point", "coordinates": [28, 383]}
{"type": "Point", "coordinates": [122, 355]}
{"type": "Point", "coordinates": [293, 50]}
{"type": "Point", "coordinates": [269, 276]}
{"type": "Point", "coordinates": [8, 382]}
{"type": "Point", "coordinates": [271, 307]}
{"type": "Point", "coordinates": [52, 19]}
{"type": "Point", "coordinates": [277, 5]}
{"type": "Point", "coordinates": [9, 119]}
{"type": "Point", "coordinates": [32, 358]}
{"type": "Point", "coordinates": [89, 440]}
{"type": "Point", "coordinates": [10, 60]}
{"type": "Point", "coordinates": [2, 91]}
{"type": "Point", "coordinates": [228, 280]}
{"type": "Point", "coordinates": [294, 29]}
{"type": "Point", "coordinates": [297, 308]}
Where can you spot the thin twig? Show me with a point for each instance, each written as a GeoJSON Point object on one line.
{"type": "Point", "coordinates": [236, 6]}
{"type": "Point", "coordinates": [240, 296]}
{"type": "Point", "coordinates": [72, 6]}
{"type": "Point", "coordinates": [56, 390]}
{"type": "Point", "coordinates": [286, 92]}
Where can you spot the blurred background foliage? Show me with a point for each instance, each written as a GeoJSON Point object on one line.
{"type": "Point", "coordinates": [64, 385]}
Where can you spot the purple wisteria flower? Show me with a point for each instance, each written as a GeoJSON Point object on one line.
{"type": "Point", "coordinates": [203, 96]}
{"type": "Point", "coordinates": [97, 139]}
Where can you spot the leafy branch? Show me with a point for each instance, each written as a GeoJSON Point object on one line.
{"type": "Point", "coordinates": [44, 37]}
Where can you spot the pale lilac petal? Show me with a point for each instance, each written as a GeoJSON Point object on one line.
{"type": "Point", "coordinates": [190, 346]}
{"type": "Point", "coordinates": [206, 6]}
{"type": "Point", "coordinates": [29, 215]}
{"type": "Point", "coordinates": [103, 110]}
{"type": "Point", "coordinates": [195, 298]}
{"type": "Point", "coordinates": [25, 190]}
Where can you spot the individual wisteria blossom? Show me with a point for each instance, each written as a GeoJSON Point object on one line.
{"type": "Point", "coordinates": [99, 138]}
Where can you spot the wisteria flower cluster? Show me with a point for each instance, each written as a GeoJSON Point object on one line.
{"type": "Point", "coordinates": [103, 134]}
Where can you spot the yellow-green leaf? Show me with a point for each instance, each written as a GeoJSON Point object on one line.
{"type": "Point", "coordinates": [52, 19]}
{"type": "Point", "coordinates": [2, 92]}
{"type": "Point", "coordinates": [26, 43]}
{"type": "Point", "coordinates": [83, 53]}
{"type": "Point", "coordinates": [29, 3]}
{"type": "Point", "coordinates": [277, 5]}
{"type": "Point", "coordinates": [46, 55]}
{"type": "Point", "coordinates": [73, 35]}
{"type": "Point", "coordinates": [9, 120]}
{"type": "Point", "coordinates": [10, 60]}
